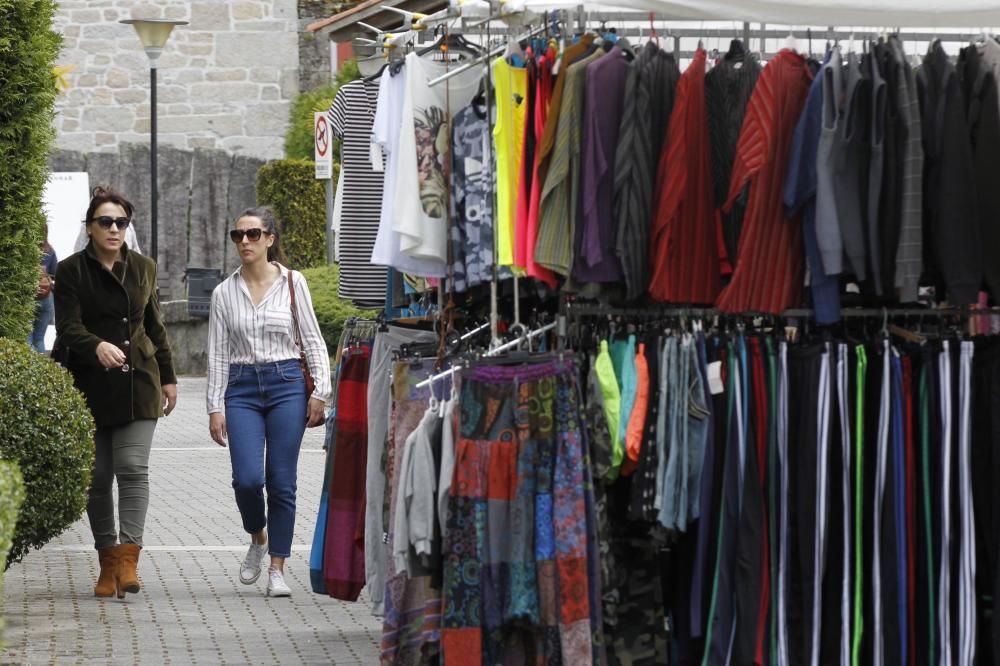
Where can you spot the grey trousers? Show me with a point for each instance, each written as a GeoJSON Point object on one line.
{"type": "Point", "coordinates": [122, 453]}
{"type": "Point", "coordinates": [379, 413]}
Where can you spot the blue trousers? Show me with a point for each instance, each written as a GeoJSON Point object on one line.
{"type": "Point", "coordinates": [44, 314]}
{"type": "Point", "coordinates": [266, 418]}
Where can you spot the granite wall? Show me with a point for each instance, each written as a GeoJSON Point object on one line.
{"type": "Point", "coordinates": [201, 192]}
{"type": "Point", "coordinates": [226, 81]}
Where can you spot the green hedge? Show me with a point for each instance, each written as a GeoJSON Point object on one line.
{"type": "Point", "coordinates": [299, 200]}
{"type": "Point", "coordinates": [28, 50]}
{"type": "Point", "coordinates": [299, 137]}
{"type": "Point", "coordinates": [11, 499]}
{"type": "Point", "coordinates": [47, 428]}
{"type": "Point", "coordinates": [331, 311]}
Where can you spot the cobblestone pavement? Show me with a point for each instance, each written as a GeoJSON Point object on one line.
{"type": "Point", "coordinates": [191, 610]}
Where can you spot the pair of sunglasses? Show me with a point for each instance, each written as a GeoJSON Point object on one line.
{"type": "Point", "coordinates": [236, 235]}
{"type": "Point", "coordinates": [106, 221]}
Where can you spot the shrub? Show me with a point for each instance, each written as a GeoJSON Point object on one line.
{"type": "Point", "coordinates": [299, 200]}
{"type": "Point", "coordinates": [28, 50]}
{"type": "Point", "coordinates": [11, 498]}
{"type": "Point", "coordinates": [48, 430]}
{"type": "Point", "coordinates": [299, 137]}
{"type": "Point", "coordinates": [331, 311]}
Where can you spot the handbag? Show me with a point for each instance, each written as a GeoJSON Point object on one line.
{"type": "Point", "coordinates": [44, 284]}
{"type": "Point", "coordinates": [310, 384]}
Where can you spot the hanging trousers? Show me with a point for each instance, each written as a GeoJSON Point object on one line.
{"type": "Point", "coordinates": [985, 456]}
{"type": "Point", "coordinates": [805, 377]}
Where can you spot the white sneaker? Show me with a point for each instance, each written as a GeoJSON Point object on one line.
{"type": "Point", "coordinates": [276, 584]}
{"type": "Point", "coordinates": [252, 563]}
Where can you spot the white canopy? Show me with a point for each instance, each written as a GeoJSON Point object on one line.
{"type": "Point", "coordinates": [974, 14]}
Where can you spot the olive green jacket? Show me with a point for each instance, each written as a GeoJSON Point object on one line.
{"type": "Point", "coordinates": [119, 306]}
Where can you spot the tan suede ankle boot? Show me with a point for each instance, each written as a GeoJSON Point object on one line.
{"type": "Point", "coordinates": [106, 582]}
{"type": "Point", "coordinates": [128, 560]}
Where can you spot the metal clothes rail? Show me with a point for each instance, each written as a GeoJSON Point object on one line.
{"type": "Point", "coordinates": [493, 352]}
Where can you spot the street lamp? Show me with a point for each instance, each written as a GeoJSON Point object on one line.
{"type": "Point", "coordinates": [153, 33]}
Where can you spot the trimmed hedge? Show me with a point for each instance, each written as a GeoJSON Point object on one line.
{"type": "Point", "coordinates": [299, 137]}
{"type": "Point", "coordinates": [11, 499]}
{"type": "Point", "coordinates": [28, 50]}
{"type": "Point", "coordinates": [48, 430]}
{"type": "Point", "coordinates": [299, 201]}
{"type": "Point", "coordinates": [331, 311]}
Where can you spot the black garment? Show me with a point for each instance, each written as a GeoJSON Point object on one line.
{"type": "Point", "coordinates": [979, 88]}
{"type": "Point", "coordinates": [748, 579]}
{"type": "Point", "coordinates": [890, 212]}
{"type": "Point", "coordinates": [872, 71]}
{"type": "Point", "coordinates": [641, 505]}
{"type": "Point", "coordinates": [832, 619]}
{"type": "Point", "coordinates": [869, 447]}
{"type": "Point", "coordinates": [952, 258]}
{"type": "Point", "coordinates": [926, 573]}
{"type": "Point", "coordinates": [804, 367]}
{"type": "Point", "coordinates": [728, 88]}
{"type": "Point", "coordinates": [648, 103]}
{"type": "Point", "coordinates": [724, 619]}
{"type": "Point", "coordinates": [986, 495]}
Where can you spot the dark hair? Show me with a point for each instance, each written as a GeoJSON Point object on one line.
{"type": "Point", "coordinates": [102, 195]}
{"type": "Point", "coordinates": [266, 215]}
{"type": "Point", "coordinates": [44, 245]}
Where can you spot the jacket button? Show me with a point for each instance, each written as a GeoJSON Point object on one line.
{"type": "Point", "coordinates": [124, 320]}
{"type": "Point", "coordinates": [126, 343]}
{"type": "Point", "coordinates": [125, 368]}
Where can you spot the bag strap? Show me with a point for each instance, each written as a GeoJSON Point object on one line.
{"type": "Point", "coordinates": [295, 315]}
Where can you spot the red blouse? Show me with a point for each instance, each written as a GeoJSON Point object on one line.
{"type": "Point", "coordinates": [769, 265]}
{"type": "Point", "coordinates": [683, 257]}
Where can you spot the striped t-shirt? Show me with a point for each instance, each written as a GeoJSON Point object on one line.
{"type": "Point", "coordinates": [351, 117]}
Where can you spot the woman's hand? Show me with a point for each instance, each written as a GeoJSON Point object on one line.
{"type": "Point", "coordinates": [316, 414]}
{"type": "Point", "coordinates": [169, 398]}
{"type": "Point", "coordinates": [110, 356]}
{"type": "Point", "coordinates": [217, 426]}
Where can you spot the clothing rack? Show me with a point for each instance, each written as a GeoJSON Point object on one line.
{"type": "Point", "coordinates": [593, 309]}
{"type": "Point", "coordinates": [493, 352]}
{"type": "Point", "coordinates": [483, 58]}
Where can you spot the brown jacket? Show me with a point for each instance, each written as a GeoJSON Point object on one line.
{"type": "Point", "coordinates": [120, 306]}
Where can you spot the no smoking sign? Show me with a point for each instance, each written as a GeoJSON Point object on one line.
{"type": "Point", "coordinates": [321, 146]}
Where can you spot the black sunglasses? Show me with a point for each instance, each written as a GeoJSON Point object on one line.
{"type": "Point", "coordinates": [236, 235]}
{"type": "Point", "coordinates": [106, 221]}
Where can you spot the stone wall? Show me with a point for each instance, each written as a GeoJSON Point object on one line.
{"type": "Point", "coordinates": [225, 82]}
{"type": "Point", "coordinates": [188, 338]}
{"type": "Point", "coordinates": [201, 192]}
{"type": "Point", "coordinates": [315, 68]}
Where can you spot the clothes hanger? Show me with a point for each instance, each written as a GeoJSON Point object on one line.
{"type": "Point", "coordinates": [448, 42]}
{"type": "Point", "coordinates": [790, 42]}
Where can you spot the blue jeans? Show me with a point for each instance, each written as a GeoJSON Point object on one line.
{"type": "Point", "coordinates": [266, 418]}
{"type": "Point", "coordinates": [44, 314]}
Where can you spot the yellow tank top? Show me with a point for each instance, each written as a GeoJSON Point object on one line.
{"type": "Point", "coordinates": [511, 85]}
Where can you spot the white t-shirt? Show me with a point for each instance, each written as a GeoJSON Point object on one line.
{"type": "Point", "coordinates": [385, 134]}
{"type": "Point", "coordinates": [420, 207]}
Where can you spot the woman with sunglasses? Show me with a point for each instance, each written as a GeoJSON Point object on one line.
{"type": "Point", "coordinates": [257, 400]}
{"type": "Point", "coordinates": [111, 338]}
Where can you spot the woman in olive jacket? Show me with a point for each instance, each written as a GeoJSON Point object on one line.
{"type": "Point", "coordinates": [111, 338]}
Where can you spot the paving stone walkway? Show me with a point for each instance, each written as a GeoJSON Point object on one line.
{"type": "Point", "coordinates": [192, 610]}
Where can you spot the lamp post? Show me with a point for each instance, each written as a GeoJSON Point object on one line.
{"type": "Point", "coordinates": [153, 33]}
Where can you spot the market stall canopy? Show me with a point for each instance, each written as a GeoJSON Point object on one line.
{"type": "Point", "coordinates": [973, 14]}
{"type": "Point", "coordinates": [869, 13]}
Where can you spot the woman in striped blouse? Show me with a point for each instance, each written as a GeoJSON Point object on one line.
{"type": "Point", "coordinates": [256, 389]}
